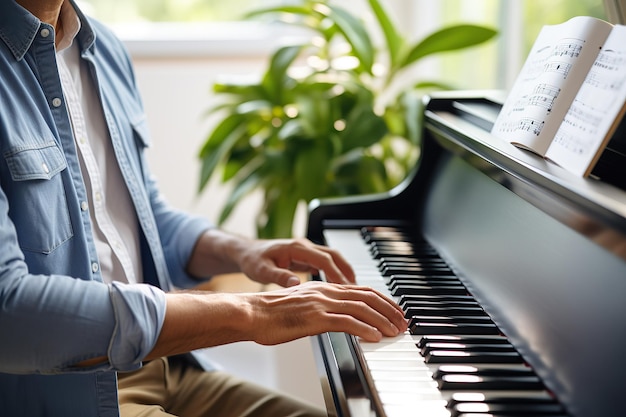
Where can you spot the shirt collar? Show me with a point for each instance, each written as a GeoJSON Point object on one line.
{"type": "Point", "coordinates": [71, 25]}
{"type": "Point", "coordinates": [18, 28]}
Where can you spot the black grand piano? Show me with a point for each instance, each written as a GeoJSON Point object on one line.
{"type": "Point", "coordinates": [511, 270]}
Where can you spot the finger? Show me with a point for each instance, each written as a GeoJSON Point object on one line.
{"type": "Point", "coordinates": [372, 306]}
{"type": "Point", "coordinates": [385, 307]}
{"type": "Point", "coordinates": [336, 267]}
{"type": "Point", "coordinates": [282, 277]}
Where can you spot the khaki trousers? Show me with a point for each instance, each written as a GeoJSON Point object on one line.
{"type": "Point", "coordinates": [172, 387]}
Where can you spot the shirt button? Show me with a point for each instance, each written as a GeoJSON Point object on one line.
{"type": "Point", "coordinates": [84, 206]}
{"type": "Point", "coordinates": [56, 102]}
{"type": "Point", "coordinates": [45, 32]}
{"type": "Point", "coordinates": [45, 168]}
{"type": "Point", "coordinates": [98, 196]}
{"type": "Point", "coordinates": [94, 267]}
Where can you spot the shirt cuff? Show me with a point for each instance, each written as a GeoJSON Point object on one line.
{"type": "Point", "coordinates": [139, 315]}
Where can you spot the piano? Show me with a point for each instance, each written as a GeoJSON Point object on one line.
{"type": "Point", "coordinates": [511, 271]}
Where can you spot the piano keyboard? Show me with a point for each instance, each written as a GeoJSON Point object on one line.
{"type": "Point", "coordinates": [453, 361]}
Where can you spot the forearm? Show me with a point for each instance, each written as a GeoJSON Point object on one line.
{"type": "Point", "coordinates": [216, 252]}
{"type": "Point", "coordinates": [196, 320]}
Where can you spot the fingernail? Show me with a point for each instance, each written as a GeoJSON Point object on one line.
{"type": "Point", "coordinates": [293, 281]}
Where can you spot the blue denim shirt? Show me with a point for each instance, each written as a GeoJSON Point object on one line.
{"type": "Point", "coordinates": [55, 310]}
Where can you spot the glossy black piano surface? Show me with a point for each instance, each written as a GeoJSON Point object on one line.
{"type": "Point", "coordinates": [523, 263]}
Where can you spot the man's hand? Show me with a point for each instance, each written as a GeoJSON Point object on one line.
{"type": "Point", "coordinates": [315, 307]}
{"type": "Point", "coordinates": [275, 261]}
{"type": "Point", "coordinates": [266, 261]}
{"type": "Point", "coordinates": [198, 319]}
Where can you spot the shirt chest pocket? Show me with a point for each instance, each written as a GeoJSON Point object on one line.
{"type": "Point", "coordinates": [37, 198]}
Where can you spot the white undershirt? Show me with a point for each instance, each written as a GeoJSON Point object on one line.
{"type": "Point", "coordinates": [114, 223]}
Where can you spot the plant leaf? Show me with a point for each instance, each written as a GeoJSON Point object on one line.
{"type": "Point", "coordinates": [354, 32]}
{"type": "Point", "coordinates": [275, 77]}
{"type": "Point", "coordinates": [449, 39]}
{"type": "Point", "coordinates": [241, 190]}
{"type": "Point", "coordinates": [363, 128]}
{"type": "Point", "coordinates": [311, 164]}
{"type": "Point", "coordinates": [394, 41]}
{"type": "Point", "coordinates": [219, 143]}
{"type": "Point", "coordinates": [280, 208]}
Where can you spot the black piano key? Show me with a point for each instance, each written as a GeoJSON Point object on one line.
{"type": "Point", "coordinates": [443, 304]}
{"type": "Point", "coordinates": [471, 357]}
{"type": "Point", "coordinates": [422, 328]}
{"type": "Point", "coordinates": [408, 260]}
{"type": "Point", "coordinates": [508, 408]}
{"type": "Point", "coordinates": [429, 289]}
{"type": "Point", "coordinates": [463, 347]}
{"type": "Point", "coordinates": [406, 299]}
{"type": "Point", "coordinates": [460, 382]}
{"type": "Point", "coordinates": [428, 282]}
{"type": "Point", "coordinates": [504, 415]}
{"type": "Point", "coordinates": [525, 397]}
{"type": "Point", "coordinates": [416, 270]}
{"type": "Point", "coordinates": [444, 311]}
{"type": "Point", "coordinates": [385, 251]}
{"type": "Point", "coordinates": [408, 279]}
{"type": "Point", "coordinates": [501, 370]}
{"type": "Point", "coordinates": [461, 339]}
{"type": "Point", "coordinates": [412, 263]}
{"type": "Point", "coordinates": [449, 319]}
{"type": "Point", "coordinates": [427, 275]}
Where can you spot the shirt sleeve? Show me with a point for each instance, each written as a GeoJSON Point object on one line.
{"type": "Point", "coordinates": [49, 323]}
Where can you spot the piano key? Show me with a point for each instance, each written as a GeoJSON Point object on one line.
{"type": "Point", "coordinates": [433, 281]}
{"type": "Point", "coordinates": [483, 370]}
{"type": "Point", "coordinates": [406, 299]}
{"type": "Point", "coordinates": [412, 263]}
{"type": "Point", "coordinates": [423, 328]}
{"type": "Point", "coordinates": [450, 319]}
{"type": "Point", "coordinates": [535, 397]}
{"type": "Point", "coordinates": [423, 340]}
{"type": "Point", "coordinates": [504, 415]}
{"type": "Point", "coordinates": [464, 347]}
{"type": "Point", "coordinates": [471, 357]}
{"type": "Point", "coordinates": [426, 310]}
{"type": "Point", "coordinates": [408, 260]}
{"type": "Point", "coordinates": [417, 270]}
{"type": "Point", "coordinates": [429, 289]}
{"type": "Point", "coordinates": [507, 408]}
{"type": "Point", "coordinates": [430, 409]}
{"type": "Point", "coordinates": [511, 402]}
{"type": "Point", "coordinates": [458, 382]}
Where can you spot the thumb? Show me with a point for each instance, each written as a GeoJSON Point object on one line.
{"type": "Point", "coordinates": [287, 279]}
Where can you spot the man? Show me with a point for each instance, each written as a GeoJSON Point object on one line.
{"type": "Point", "coordinates": [91, 256]}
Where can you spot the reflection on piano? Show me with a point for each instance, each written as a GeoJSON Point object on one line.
{"type": "Point", "coordinates": [511, 272]}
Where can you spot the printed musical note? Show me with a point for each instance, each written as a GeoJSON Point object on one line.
{"type": "Point", "coordinates": [530, 125]}
{"type": "Point", "coordinates": [569, 48]}
{"type": "Point", "coordinates": [562, 68]}
{"type": "Point", "coordinates": [544, 96]}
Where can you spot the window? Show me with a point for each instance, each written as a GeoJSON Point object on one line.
{"type": "Point", "coordinates": [124, 11]}
{"type": "Point", "coordinates": [491, 66]}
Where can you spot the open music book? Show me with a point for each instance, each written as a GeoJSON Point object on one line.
{"type": "Point", "coordinates": [570, 95]}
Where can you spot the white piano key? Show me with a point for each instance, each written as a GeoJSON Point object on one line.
{"type": "Point", "coordinates": [425, 387]}
{"type": "Point", "coordinates": [401, 375]}
{"type": "Point", "coordinates": [429, 409]}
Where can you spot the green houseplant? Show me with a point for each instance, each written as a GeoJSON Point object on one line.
{"type": "Point", "coordinates": [324, 120]}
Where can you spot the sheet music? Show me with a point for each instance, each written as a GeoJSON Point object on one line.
{"type": "Point", "coordinates": [596, 110]}
{"type": "Point", "coordinates": [555, 68]}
